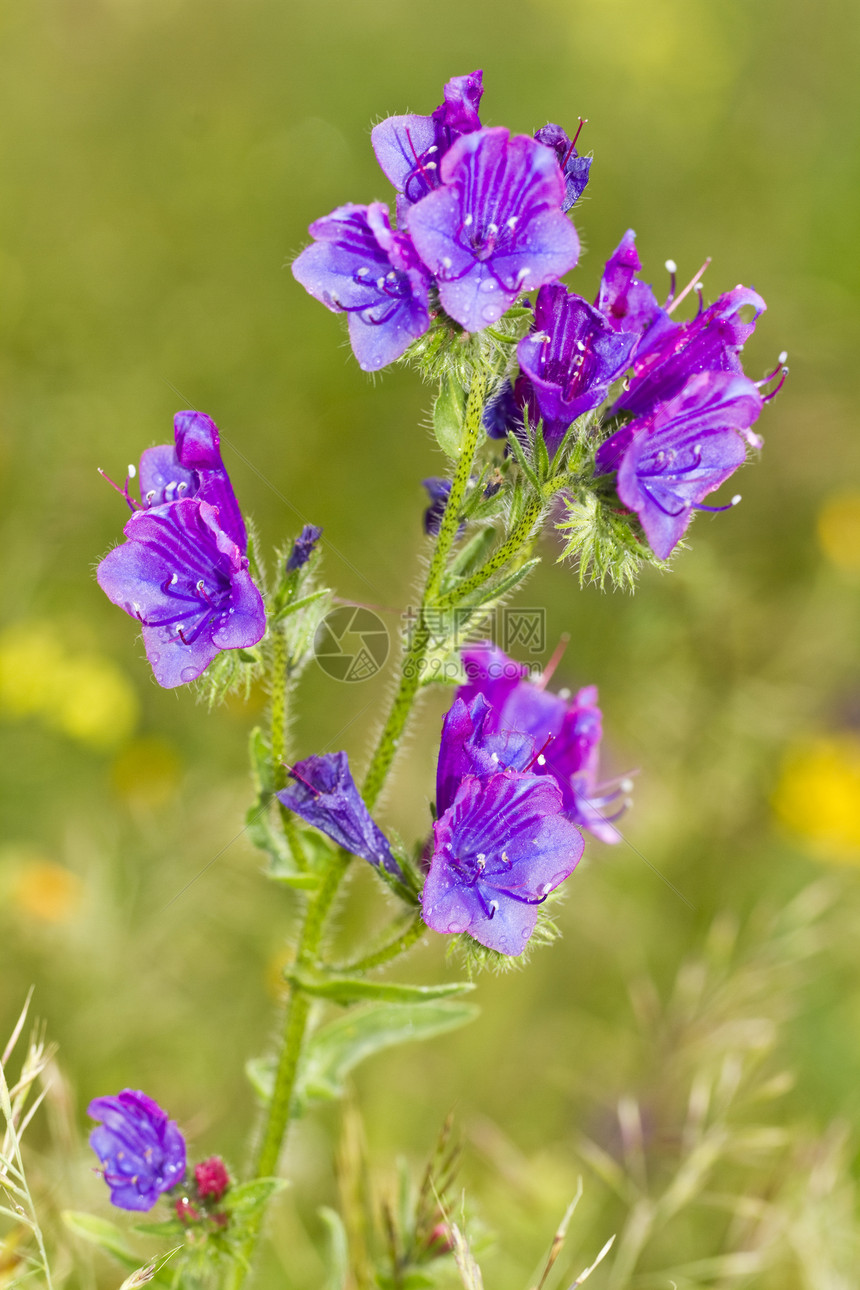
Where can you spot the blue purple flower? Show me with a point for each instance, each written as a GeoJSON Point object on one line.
{"type": "Point", "coordinates": [325, 795]}
{"type": "Point", "coordinates": [668, 461]}
{"type": "Point", "coordinates": [628, 304]}
{"type": "Point", "coordinates": [570, 359]}
{"type": "Point", "coordinates": [142, 1152]}
{"type": "Point", "coordinates": [565, 734]}
{"type": "Point", "coordinates": [359, 266]}
{"type": "Point", "coordinates": [574, 167]}
{"type": "Point", "coordinates": [499, 849]}
{"type": "Point", "coordinates": [410, 147]}
{"type": "Point", "coordinates": [303, 547]}
{"type": "Point", "coordinates": [182, 576]}
{"type": "Point", "coordinates": [473, 743]}
{"type": "Point", "coordinates": [494, 227]}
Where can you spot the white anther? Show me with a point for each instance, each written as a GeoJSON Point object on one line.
{"type": "Point", "coordinates": [174, 578]}
{"type": "Point", "coordinates": [446, 261]}
{"type": "Point", "coordinates": [698, 286]}
{"type": "Point", "coordinates": [493, 907]}
{"type": "Point", "coordinates": [492, 229]}
{"type": "Point", "coordinates": [132, 469]}
{"type": "Point", "coordinates": [429, 165]}
{"type": "Point", "coordinates": [546, 889]}
{"type": "Point", "coordinates": [523, 273]}
{"type": "Point", "coordinates": [512, 222]}
{"type": "Point", "coordinates": [391, 276]}
{"type": "Point", "coordinates": [468, 221]}
{"type": "Point", "coordinates": [380, 282]}
{"type": "Point", "coordinates": [580, 345]}
{"type": "Point", "coordinates": [149, 496]}
{"type": "Point", "coordinates": [736, 499]}
{"type": "Point", "coordinates": [671, 266]}
{"type": "Point", "coordinates": [494, 757]}
{"type": "Point", "coordinates": [626, 786]}
{"type": "Point", "coordinates": [541, 761]}
{"type": "Point", "coordinates": [783, 357]}
{"type": "Point", "coordinates": [432, 148]}
{"type": "Point", "coordinates": [481, 857]}
{"type": "Point", "coordinates": [363, 271]}
{"type": "Point", "coordinates": [564, 694]}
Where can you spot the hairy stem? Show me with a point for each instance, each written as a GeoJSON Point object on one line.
{"type": "Point", "coordinates": [399, 945]}
{"type": "Point", "coordinates": [410, 679]}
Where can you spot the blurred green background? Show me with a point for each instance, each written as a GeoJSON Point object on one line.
{"type": "Point", "coordinates": [162, 161]}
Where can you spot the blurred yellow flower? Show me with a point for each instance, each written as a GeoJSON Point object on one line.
{"type": "Point", "coordinates": [84, 695]}
{"type": "Point", "coordinates": [47, 891]}
{"type": "Point", "coordinates": [818, 796]}
{"type": "Point", "coordinates": [839, 530]}
{"type": "Point", "coordinates": [147, 772]}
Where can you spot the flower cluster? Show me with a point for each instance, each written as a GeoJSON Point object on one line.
{"type": "Point", "coordinates": [480, 220]}
{"type": "Point", "coordinates": [183, 569]}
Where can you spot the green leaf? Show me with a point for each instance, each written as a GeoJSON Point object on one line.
{"type": "Point", "coordinates": [102, 1233]}
{"type": "Point", "coordinates": [448, 416]}
{"type": "Point", "coordinates": [336, 1250]}
{"type": "Point", "coordinates": [170, 1227]}
{"type": "Point", "coordinates": [521, 460]}
{"type": "Point", "coordinates": [338, 1047]}
{"type": "Point", "coordinates": [471, 554]}
{"type": "Point", "coordinates": [346, 990]}
{"type": "Point", "coordinates": [244, 1200]}
{"type": "Point", "coordinates": [495, 590]}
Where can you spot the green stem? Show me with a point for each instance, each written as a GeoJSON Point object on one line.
{"type": "Point", "coordinates": [295, 1025]}
{"type": "Point", "coordinates": [399, 945]}
{"type": "Point", "coordinates": [410, 678]}
{"type": "Point", "coordinates": [278, 716]}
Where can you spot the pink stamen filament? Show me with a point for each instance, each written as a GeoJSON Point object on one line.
{"type": "Point", "coordinates": [557, 656]}
{"type": "Point", "coordinates": [671, 307]}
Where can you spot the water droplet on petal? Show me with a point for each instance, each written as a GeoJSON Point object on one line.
{"type": "Point", "coordinates": [490, 314]}
{"type": "Point", "coordinates": [188, 674]}
{"type": "Point", "coordinates": [488, 285]}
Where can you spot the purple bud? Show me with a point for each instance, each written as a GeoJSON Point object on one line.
{"type": "Point", "coordinates": [141, 1151]}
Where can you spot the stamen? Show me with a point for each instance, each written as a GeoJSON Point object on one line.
{"type": "Point", "coordinates": [691, 285]}
{"type": "Point", "coordinates": [582, 121]}
{"type": "Point", "coordinates": [291, 770]}
{"type": "Point", "coordinates": [767, 398]}
{"type": "Point", "coordinates": [539, 755]}
{"type": "Point", "coordinates": [557, 656]}
{"type": "Point", "coordinates": [123, 492]}
{"type": "Point", "coordinates": [716, 510]}
{"type": "Point", "coordinates": [671, 269]}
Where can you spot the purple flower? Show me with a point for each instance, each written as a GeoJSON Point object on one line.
{"type": "Point", "coordinates": [192, 468]}
{"type": "Point", "coordinates": [574, 167]}
{"type": "Point", "coordinates": [324, 794]}
{"type": "Point", "coordinates": [409, 148]}
{"type": "Point", "coordinates": [564, 733]}
{"type": "Point", "coordinates": [504, 413]}
{"type": "Point", "coordinates": [473, 743]}
{"type": "Point", "coordinates": [668, 461]}
{"type": "Point", "coordinates": [494, 229]}
{"type": "Point", "coordinates": [358, 265]}
{"type": "Point", "coordinates": [182, 575]}
{"type": "Point", "coordinates": [570, 359]}
{"type": "Point", "coordinates": [628, 304]}
{"type": "Point", "coordinates": [499, 849]}
{"type": "Point", "coordinates": [141, 1151]}
{"type": "Point", "coordinates": [303, 547]}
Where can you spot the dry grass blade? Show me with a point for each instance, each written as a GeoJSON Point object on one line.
{"type": "Point", "coordinates": [586, 1273]}
{"type": "Point", "coordinates": [559, 1238]}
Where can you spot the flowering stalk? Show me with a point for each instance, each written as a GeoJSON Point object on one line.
{"type": "Point", "coordinates": [410, 679]}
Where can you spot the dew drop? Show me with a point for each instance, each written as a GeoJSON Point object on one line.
{"type": "Point", "coordinates": [490, 314]}
{"type": "Point", "coordinates": [188, 674]}
{"type": "Point", "coordinates": [488, 285]}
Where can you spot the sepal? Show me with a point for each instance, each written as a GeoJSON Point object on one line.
{"type": "Point", "coordinates": [449, 412]}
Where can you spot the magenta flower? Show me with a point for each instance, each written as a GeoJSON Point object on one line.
{"type": "Point", "coordinates": [499, 849]}
{"type": "Point", "coordinates": [409, 148]}
{"type": "Point", "coordinates": [668, 461]}
{"type": "Point", "coordinates": [494, 227]}
{"type": "Point", "coordinates": [187, 583]}
{"type": "Point", "coordinates": [142, 1152]}
{"type": "Point", "coordinates": [627, 304]}
{"type": "Point", "coordinates": [570, 360]}
{"type": "Point", "coordinates": [325, 795]}
{"type": "Point", "coordinates": [565, 734]}
{"type": "Point", "coordinates": [359, 266]}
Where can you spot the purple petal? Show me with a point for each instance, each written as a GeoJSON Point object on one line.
{"type": "Point", "coordinates": [324, 793]}
{"type": "Point", "coordinates": [198, 447]}
{"type": "Point", "coordinates": [473, 744]}
{"type": "Point", "coordinates": [574, 167]}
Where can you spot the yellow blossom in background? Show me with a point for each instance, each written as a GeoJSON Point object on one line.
{"type": "Point", "coordinates": [83, 695]}
{"type": "Point", "coordinates": [43, 889]}
{"type": "Point", "coordinates": [839, 530]}
{"type": "Point", "coordinates": [147, 772]}
{"type": "Point", "coordinates": [818, 796]}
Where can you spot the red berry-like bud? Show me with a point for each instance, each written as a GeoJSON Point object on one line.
{"type": "Point", "coordinates": [185, 1211]}
{"type": "Point", "coordinates": [212, 1178]}
{"type": "Point", "coordinates": [440, 1240]}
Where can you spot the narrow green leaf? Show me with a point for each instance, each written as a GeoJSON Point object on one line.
{"type": "Point", "coordinates": [336, 1250]}
{"type": "Point", "coordinates": [106, 1235]}
{"type": "Point", "coordinates": [346, 990]}
{"type": "Point", "coordinates": [448, 417]}
{"type": "Point", "coordinates": [496, 590]}
{"type": "Point", "coordinates": [247, 1199]}
{"type": "Point", "coordinates": [337, 1048]}
{"type": "Point", "coordinates": [260, 1072]}
{"type": "Point", "coordinates": [521, 460]}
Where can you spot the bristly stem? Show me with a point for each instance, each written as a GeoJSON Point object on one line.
{"type": "Point", "coordinates": [410, 679]}
{"type": "Point", "coordinates": [399, 945]}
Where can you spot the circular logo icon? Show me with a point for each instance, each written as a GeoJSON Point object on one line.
{"type": "Point", "coordinates": [351, 643]}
